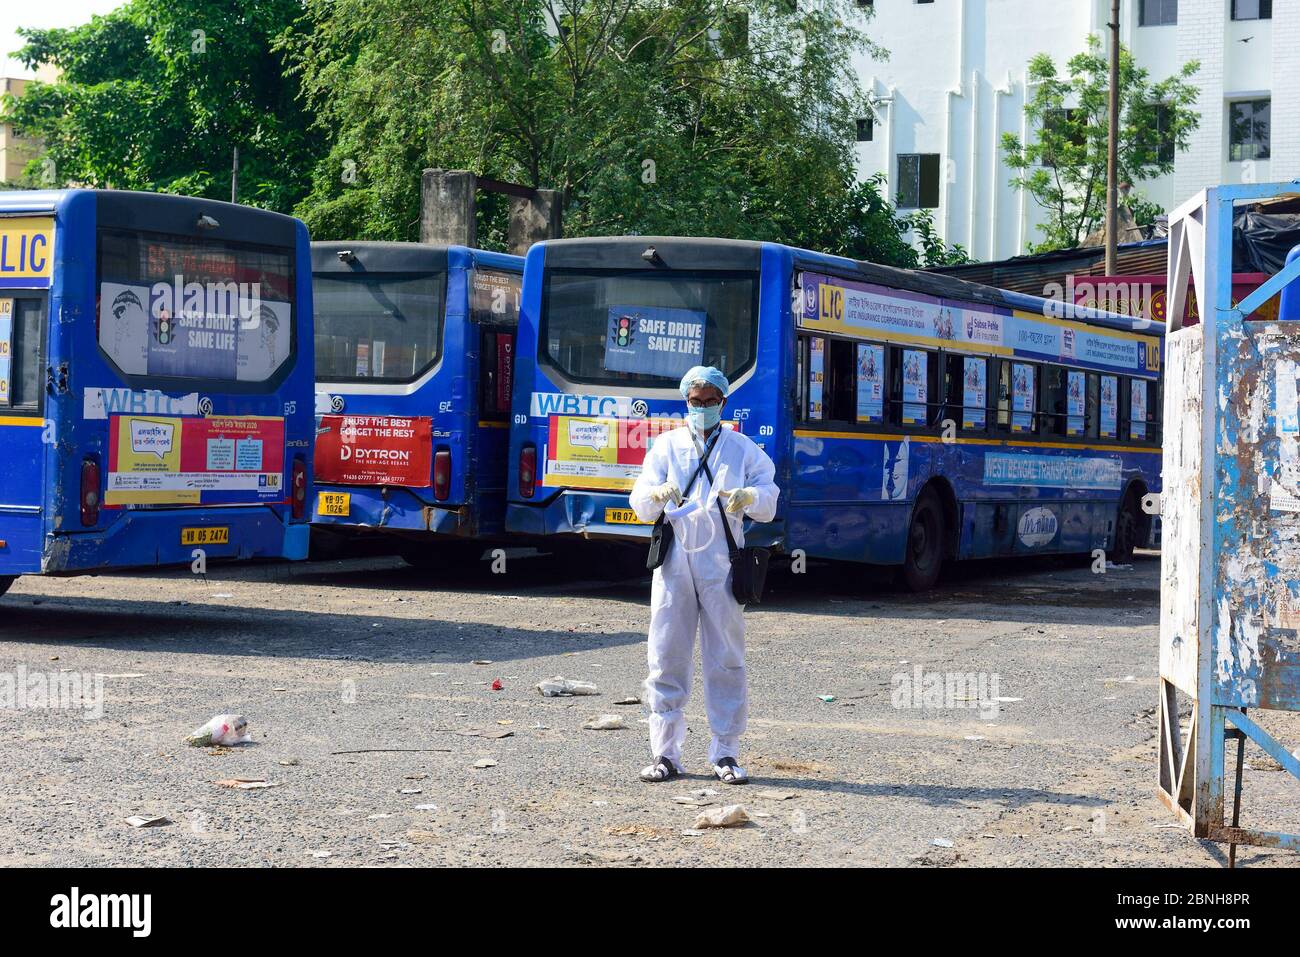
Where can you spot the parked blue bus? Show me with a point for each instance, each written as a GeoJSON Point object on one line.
{"type": "Point", "coordinates": [414, 365]}
{"type": "Point", "coordinates": [913, 418]}
{"type": "Point", "coordinates": [155, 382]}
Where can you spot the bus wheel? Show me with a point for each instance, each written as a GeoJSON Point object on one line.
{"type": "Point", "coordinates": [925, 543]}
{"type": "Point", "coordinates": [1128, 530]}
{"type": "Point", "coordinates": [5, 582]}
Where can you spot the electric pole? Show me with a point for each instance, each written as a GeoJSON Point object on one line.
{"type": "Point", "coordinates": [1112, 149]}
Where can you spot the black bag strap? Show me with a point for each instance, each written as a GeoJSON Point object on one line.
{"type": "Point", "coordinates": [726, 522]}
{"type": "Point", "coordinates": [702, 467]}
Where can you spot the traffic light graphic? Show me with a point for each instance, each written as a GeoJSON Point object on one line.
{"type": "Point", "coordinates": [623, 331]}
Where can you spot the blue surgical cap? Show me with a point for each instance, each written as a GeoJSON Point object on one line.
{"type": "Point", "coordinates": [706, 374]}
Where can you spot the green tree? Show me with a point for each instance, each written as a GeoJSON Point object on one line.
{"type": "Point", "coordinates": [708, 117]}
{"type": "Point", "coordinates": [156, 95]}
{"type": "Point", "coordinates": [1064, 166]}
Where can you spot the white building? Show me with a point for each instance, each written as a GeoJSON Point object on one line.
{"type": "Point", "coordinates": [955, 79]}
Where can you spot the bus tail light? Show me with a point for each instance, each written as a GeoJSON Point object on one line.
{"type": "Point", "coordinates": [299, 487]}
{"type": "Point", "coordinates": [527, 469]}
{"type": "Point", "coordinates": [441, 474]}
{"type": "Point", "coordinates": [89, 492]}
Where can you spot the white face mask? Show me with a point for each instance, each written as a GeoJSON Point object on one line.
{"type": "Point", "coordinates": [703, 418]}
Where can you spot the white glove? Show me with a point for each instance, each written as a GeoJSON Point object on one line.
{"type": "Point", "coordinates": [739, 499]}
{"type": "Point", "coordinates": [666, 492]}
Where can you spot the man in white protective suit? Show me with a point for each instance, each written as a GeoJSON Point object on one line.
{"type": "Point", "coordinates": [692, 588]}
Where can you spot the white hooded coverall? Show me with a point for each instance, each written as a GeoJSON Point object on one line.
{"type": "Point", "coordinates": [692, 591]}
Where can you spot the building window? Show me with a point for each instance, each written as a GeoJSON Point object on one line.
{"type": "Point", "coordinates": [1165, 145]}
{"type": "Point", "coordinates": [1157, 13]}
{"type": "Point", "coordinates": [918, 181]}
{"type": "Point", "coordinates": [866, 129]}
{"type": "Point", "coordinates": [1248, 130]}
{"type": "Point", "coordinates": [1252, 9]}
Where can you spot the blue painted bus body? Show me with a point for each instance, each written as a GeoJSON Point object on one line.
{"type": "Point", "coordinates": [447, 393]}
{"type": "Point", "coordinates": [837, 499]}
{"type": "Point", "coordinates": [77, 396]}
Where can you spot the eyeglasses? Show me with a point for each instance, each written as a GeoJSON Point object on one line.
{"type": "Point", "coordinates": [703, 403]}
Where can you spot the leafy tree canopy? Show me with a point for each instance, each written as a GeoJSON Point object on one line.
{"type": "Point", "coordinates": [1064, 166]}
{"type": "Point", "coordinates": [156, 95]}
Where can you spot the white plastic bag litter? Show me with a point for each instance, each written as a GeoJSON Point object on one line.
{"type": "Point", "coordinates": [223, 730]}
{"type": "Point", "coordinates": [558, 686]}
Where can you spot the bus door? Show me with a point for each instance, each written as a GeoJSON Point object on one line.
{"type": "Point", "coordinates": [494, 312]}
{"type": "Point", "coordinates": [22, 434]}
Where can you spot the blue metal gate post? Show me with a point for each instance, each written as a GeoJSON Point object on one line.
{"type": "Point", "coordinates": [1230, 510]}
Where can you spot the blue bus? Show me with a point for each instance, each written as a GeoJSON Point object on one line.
{"type": "Point", "coordinates": [155, 382]}
{"type": "Point", "coordinates": [913, 418]}
{"type": "Point", "coordinates": [414, 371]}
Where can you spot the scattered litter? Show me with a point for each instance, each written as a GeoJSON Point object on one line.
{"type": "Point", "coordinates": [759, 814]}
{"type": "Point", "coordinates": [395, 751]}
{"type": "Point", "coordinates": [485, 733]}
{"type": "Point", "coordinates": [692, 832]}
{"type": "Point", "coordinates": [485, 763]}
{"type": "Point", "coordinates": [606, 722]}
{"type": "Point", "coordinates": [245, 784]}
{"type": "Point", "coordinates": [426, 807]}
{"type": "Point", "coordinates": [290, 762]}
{"type": "Point", "coordinates": [411, 791]}
{"type": "Point", "coordinates": [1073, 827]}
{"type": "Point", "coordinates": [1111, 566]}
{"type": "Point", "coordinates": [732, 815]}
{"type": "Point", "coordinates": [1166, 825]}
{"type": "Point", "coordinates": [224, 730]}
{"type": "Point", "coordinates": [481, 661]}
{"type": "Point", "coordinates": [422, 837]}
{"type": "Point", "coordinates": [321, 855]}
{"type": "Point", "coordinates": [137, 820]}
{"type": "Point", "coordinates": [417, 777]}
{"type": "Point", "coordinates": [279, 689]}
{"type": "Point", "coordinates": [377, 817]}
{"type": "Point", "coordinates": [223, 594]}
{"type": "Point", "coordinates": [705, 792]}
{"type": "Point", "coordinates": [599, 803]}
{"type": "Point", "coordinates": [941, 842]}
{"type": "Point", "coordinates": [690, 800]}
{"type": "Point", "coordinates": [506, 721]}
{"type": "Point", "coordinates": [974, 737]}
{"type": "Point", "coordinates": [560, 686]}
{"type": "Point", "coordinates": [497, 685]}
{"type": "Point", "coordinates": [630, 699]}
{"type": "Point", "coordinates": [127, 674]}
{"type": "Point", "coordinates": [771, 794]}
{"type": "Point", "coordinates": [828, 698]}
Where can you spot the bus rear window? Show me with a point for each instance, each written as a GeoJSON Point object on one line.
{"type": "Point", "coordinates": [647, 329]}
{"type": "Point", "coordinates": [182, 308]}
{"type": "Point", "coordinates": [381, 328]}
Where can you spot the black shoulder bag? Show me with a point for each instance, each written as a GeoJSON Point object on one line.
{"type": "Point", "coordinates": [661, 536]}
{"type": "Point", "coordinates": [748, 565]}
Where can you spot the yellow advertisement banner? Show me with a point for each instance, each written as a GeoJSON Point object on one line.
{"type": "Point", "coordinates": [27, 247]}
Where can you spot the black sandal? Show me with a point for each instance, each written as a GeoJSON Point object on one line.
{"type": "Point", "coordinates": [662, 770]}
{"type": "Point", "coordinates": [729, 772]}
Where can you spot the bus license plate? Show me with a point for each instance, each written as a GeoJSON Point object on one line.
{"type": "Point", "coordinates": [219, 535]}
{"type": "Point", "coordinates": [622, 516]}
{"type": "Point", "coordinates": [335, 503]}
